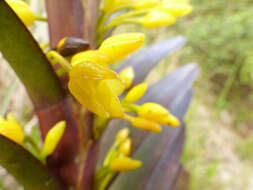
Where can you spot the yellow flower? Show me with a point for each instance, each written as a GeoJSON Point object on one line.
{"type": "Point", "coordinates": [123, 164]}
{"type": "Point", "coordinates": [127, 76]}
{"type": "Point", "coordinates": [157, 113]}
{"type": "Point", "coordinates": [52, 139]}
{"type": "Point", "coordinates": [176, 9]}
{"type": "Point", "coordinates": [98, 96]}
{"type": "Point", "coordinates": [157, 19]}
{"type": "Point", "coordinates": [93, 84]}
{"type": "Point", "coordinates": [11, 129]}
{"type": "Point", "coordinates": [136, 92]}
{"type": "Point", "coordinates": [125, 147]}
{"type": "Point", "coordinates": [116, 4]}
{"type": "Point", "coordinates": [144, 4]}
{"type": "Point", "coordinates": [144, 124]}
{"type": "Point", "coordinates": [122, 135]}
{"type": "Point", "coordinates": [92, 56]}
{"type": "Point", "coordinates": [119, 46]}
{"type": "Point", "coordinates": [23, 11]}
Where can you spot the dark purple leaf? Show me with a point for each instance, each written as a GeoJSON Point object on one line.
{"type": "Point", "coordinates": [173, 91]}
{"type": "Point", "coordinates": [144, 60]}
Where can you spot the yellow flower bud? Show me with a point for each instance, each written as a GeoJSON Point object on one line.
{"type": "Point", "coordinates": [176, 9]}
{"type": "Point", "coordinates": [123, 164]}
{"type": "Point", "coordinates": [23, 11]}
{"type": "Point", "coordinates": [127, 76]}
{"type": "Point", "coordinates": [119, 46]}
{"type": "Point", "coordinates": [157, 19]}
{"type": "Point", "coordinates": [136, 92]}
{"type": "Point", "coordinates": [125, 147]}
{"type": "Point", "coordinates": [52, 139]}
{"type": "Point", "coordinates": [145, 124]}
{"type": "Point", "coordinates": [144, 4]}
{"type": "Point", "coordinates": [157, 113]}
{"type": "Point", "coordinates": [92, 56]}
{"type": "Point", "coordinates": [11, 129]}
{"type": "Point", "coordinates": [122, 135]}
{"type": "Point", "coordinates": [153, 111]}
{"type": "Point", "coordinates": [171, 120]}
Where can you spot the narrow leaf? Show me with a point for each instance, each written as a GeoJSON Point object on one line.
{"type": "Point", "coordinates": [27, 170]}
{"type": "Point", "coordinates": [27, 59]}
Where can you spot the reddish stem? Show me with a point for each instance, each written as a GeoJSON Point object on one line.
{"type": "Point", "coordinates": [64, 161]}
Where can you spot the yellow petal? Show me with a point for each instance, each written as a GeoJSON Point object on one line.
{"type": "Point", "coordinates": [157, 19]}
{"type": "Point", "coordinates": [119, 46]}
{"type": "Point", "coordinates": [176, 9]}
{"type": "Point", "coordinates": [145, 4]}
{"type": "Point", "coordinates": [23, 11]}
{"type": "Point", "coordinates": [127, 76]}
{"type": "Point", "coordinates": [144, 124]}
{"type": "Point", "coordinates": [125, 147]}
{"type": "Point", "coordinates": [84, 90]}
{"type": "Point", "coordinates": [97, 96]}
{"type": "Point", "coordinates": [153, 111]}
{"type": "Point", "coordinates": [90, 70]}
{"type": "Point", "coordinates": [136, 92]}
{"type": "Point", "coordinates": [122, 135]}
{"type": "Point", "coordinates": [123, 164]}
{"type": "Point", "coordinates": [12, 130]}
{"type": "Point", "coordinates": [52, 139]}
{"type": "Point", "coordinates": [108, 98]}
{"type": "Point", "coordinates": [92, 56]}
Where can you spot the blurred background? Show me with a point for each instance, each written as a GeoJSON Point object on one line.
{"type": "Point", "coordinates": [219, 143]}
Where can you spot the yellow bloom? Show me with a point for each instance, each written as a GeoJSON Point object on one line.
{"type": "Point", "coordinates": [127, 76]}
{"type": "Point", "coordinates": [125, 147]}
{"type": "Point", "coordinates": [144, 4]}
{"type": "Point", "coordinates": [11, 129]}
{"type": "Point", "coordinates": [52, 139]}
{"type": "Point", "coordinates": [122, 135]}
{"type": "Point", "coordinates": [144, 124]}
{"type": "Point", "coordinates": [123, 164]}
{"type": "Point", "coordinates": [119, 46]}
{"type": "Point", "coordinates": [98, 96]}
{"type": "Point", "coordinates": [116, 4]}
{"type": "Point", "coordinates": [157, 113]}
{"type": "Point", "coordinates": [23, 11]}
{"type": "Point", "coordinates": [92, 56]}
{"type": "Point", "coordinates": [136, 92]}
{"type": "Point", "coordinates": [157, 19]}
{"type": "Point", "coordinates": [176, 9]}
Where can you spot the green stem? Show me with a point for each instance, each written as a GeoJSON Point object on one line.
{"type": "Point", "coordinates": [122, 19]}
{"type": "Point", "coordinates": [41, 18]}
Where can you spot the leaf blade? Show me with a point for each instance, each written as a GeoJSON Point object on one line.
{"type": "Point", "coordinates": [28, 171]}
{"type": "Point", "coordinates": [27, 59]}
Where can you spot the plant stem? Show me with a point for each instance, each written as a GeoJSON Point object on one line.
{"type": "Point", "coordinates": [41, 18]}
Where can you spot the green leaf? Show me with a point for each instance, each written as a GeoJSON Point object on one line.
{"type": "Point", "coordinates": [27, 59]}
{"type": "Point", "coordinates": [27, 170]}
